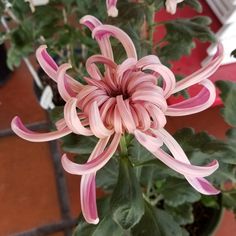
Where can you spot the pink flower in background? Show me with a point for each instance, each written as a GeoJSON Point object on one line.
{"type": "Point", "coordinates": [171, 5]}
{"type": "Point", "coordinates": [111, 8]}
{"type": "Point", "coordinates": [121, 99]}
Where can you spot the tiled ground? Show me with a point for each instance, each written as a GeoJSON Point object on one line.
{"type": "Point", "coordinates": [28, 186]}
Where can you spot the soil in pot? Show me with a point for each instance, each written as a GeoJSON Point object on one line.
{"type": "Point", "coordinates": [206, 220]}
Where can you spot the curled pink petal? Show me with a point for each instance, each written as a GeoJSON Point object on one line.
{"type": "Point", "coordinates": [104, 43]}
{"type": "Point", "coordinates": [199, 183]}
{"type": "Point", "coordinates": [50, 68]}
{"type": "Point", "coordinates": [117, 33]}
{"type": "Point", "coordinates": [65, 93]}
{"type": "Point", "coordinates": [167, 75]}
{"type": "Point", "coordinates": [125, 114]}
{"type": "Point", "coordinates": [72, 120]}
{"type": "Point", "coordinates": [19, 129]}
{"type": "Point", "coordinates": [202, 186]}
{"type": "Point", "coordinates": [88, 187]}
{"type": "Point", "coordinates": [96, 123]}
{"type": "Point", "coordinates": [148, 60]}
{"type": "Point", "coordinates": [203, 100]}
{"type": "Point", "coordinates": [93, 165]}
{"type": "Point", "coordinates": [178, 166]}
{"type": "Point", "coordinates": [203, 73]}
{"type": "Point", "coordinates": [93, 70]}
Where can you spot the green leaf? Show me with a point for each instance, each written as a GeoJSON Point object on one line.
{"type": "Point", "coordinates": [229, 200]}
{"type": "Point", "coordinates": [177, 192]}
{"type": "Point", "coordinates": [106, 225]}
{"type": "Point", "coordinates": [228, 95]}
{"type": "Point", "coordinates": [15, 55]}
{"type": "Point", "coordinates": [156, 222]}
{"type": "Point", "coordinates": [210, 201]}
{"type": "Point", "coordinates": [107, 176]}
{"type": "Point", "coordinates": [195, 4]}
{"type": "Point", "coordinates": [109, 227]}
{"type": "Point", "coordinates": [180, 35]}
{"type": "Point", "coordinates": [182, 214]}
{"type": "Point", "coordinates": [126, 202]}
{"type": "Point", "coordinates": [79, 144]}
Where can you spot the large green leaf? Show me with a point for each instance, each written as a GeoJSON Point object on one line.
{"type": "Point", "coordinates": [127, 202]}
{"type": "Point", "coordinates": [180, 35]}
{"type": "Point", "coordinates": [106, 226]}
{"type": "Point", "coordinates": [228, 95]}
{"type": "Point", "coordinates": [156, 222]}
{"type": "Point", "coordinates": [177, 192]}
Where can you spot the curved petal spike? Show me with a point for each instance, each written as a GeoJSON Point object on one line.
{"type": "Point", "coordinates": [19, 129]}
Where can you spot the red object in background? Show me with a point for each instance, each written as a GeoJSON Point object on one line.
{"type": "Point", "coordinates": [189, 64]}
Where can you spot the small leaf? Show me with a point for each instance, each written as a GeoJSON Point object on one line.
{"type": "Point", "coordinates": [126, 202]}
{"type": "Point", "coordinates": [195, 4]}
{"type": "Point", "coordinates": [228, 95]}
{"type": "Point", "coordinates": [210, 201]}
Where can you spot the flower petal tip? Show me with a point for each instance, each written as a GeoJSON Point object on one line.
{"type": "Point", "coordinates": [112, 11]}
{"type": "Point", "coordinates": [94, 221]}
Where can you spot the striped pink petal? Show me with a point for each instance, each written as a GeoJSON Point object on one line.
{"type": "Point", "coordinates": [203, 100]}
{"type": "Point", "coordinates": [117, 33]}
{"type": "Point", "coordinates": [200, 184]}
{"type": "Point", "coordinates": [94, 165]}
{"type": "Point", "coordinates": [88, 187]}
{"type": "Point", "coordinates": [104, 43]}
{"type": "Point", "coordinates": [19, 129]}
{"type": "Point", "coordinates": [182, 167]}
{"type": "Point", "coordinates": [50, 68]}
{"type": "Point", "coordinates": [203, 73]}
{"type": "Point", "coordinates": [73, 121]}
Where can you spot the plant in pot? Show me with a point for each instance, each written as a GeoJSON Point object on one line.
{"type": "Point", "coordinates": [117, 115]}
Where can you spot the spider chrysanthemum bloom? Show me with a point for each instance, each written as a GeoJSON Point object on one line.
{"type": "Point", "coordinates": [124, 99]}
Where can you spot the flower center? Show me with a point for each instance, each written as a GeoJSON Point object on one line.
{"type": "Point", "coordinates": [125, 103]}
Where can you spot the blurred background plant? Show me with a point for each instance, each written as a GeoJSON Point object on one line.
{"type": "Point", "coordinates": [169, 205]}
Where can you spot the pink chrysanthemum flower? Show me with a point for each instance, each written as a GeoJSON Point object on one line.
{"type": "Point", "coordinates": [123, 99]}
{"type": "Point", "coordinates": [171, 5]}
{"type": "Point", "coordinates": [111, 8]}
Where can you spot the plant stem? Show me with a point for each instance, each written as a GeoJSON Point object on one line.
{"type": "Point", "coordinates": [123, 147]}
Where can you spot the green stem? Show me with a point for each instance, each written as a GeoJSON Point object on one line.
{"type": "Point", "coordinates": [123, 147]}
